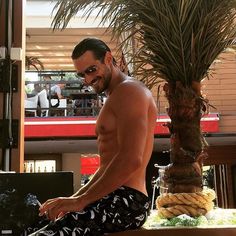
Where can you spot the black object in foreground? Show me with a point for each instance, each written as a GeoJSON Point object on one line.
{"type": "Point", "coordinates": [19, 214]}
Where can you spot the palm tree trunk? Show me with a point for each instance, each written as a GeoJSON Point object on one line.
{"type": "Point", "coordinates": [184, 174]}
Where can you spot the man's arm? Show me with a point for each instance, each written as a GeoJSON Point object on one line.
{"type": "Point", "coordinates": [58, 92]}
{"type": "Point", "coordinates": [95, 177]}
{"type": "Point", "coordinates": [59, 95]}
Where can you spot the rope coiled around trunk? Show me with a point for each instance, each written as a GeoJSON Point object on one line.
{"type": "Point", "coordinates": [170, 205]}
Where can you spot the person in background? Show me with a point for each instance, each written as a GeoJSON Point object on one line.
{"type": "Point", "coordinates": [47, 78]}
{"type": "Point", "coordinates": [38, 103]}
{"type": "Point", "coordinates": [55, 98]}
{"type": "Point", "coordinates": [36, 90]}
{"type": "Point", "coordinates": [115, 199]}
{"type": "Point", "coordinates": [56, 91]}
{"type": "Point", "coordinates": [38, 96]}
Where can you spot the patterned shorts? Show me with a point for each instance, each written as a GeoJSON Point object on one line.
{"type": "Point", "coordinates": [123, 209]}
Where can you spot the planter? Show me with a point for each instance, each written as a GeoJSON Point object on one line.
{"type": "Point", "coordinates": [184, 231]}
{"type": "Point", "coordinates": [218, 222]}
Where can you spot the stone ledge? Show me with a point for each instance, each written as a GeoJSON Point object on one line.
{"type": "Point", "coordinates": [186, 231]}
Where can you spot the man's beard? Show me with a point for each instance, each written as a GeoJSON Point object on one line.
{"type": "Point", "coordinates": [106, 82]}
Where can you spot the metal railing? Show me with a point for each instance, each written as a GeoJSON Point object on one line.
{"type": "Point", "coordinates": [75, 101]}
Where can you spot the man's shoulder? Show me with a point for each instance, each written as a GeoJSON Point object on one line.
{"type": "Point", "coordinates": [132, 81]}
{"type": "Point", "coordinates": [131, 85]}
{"type": "Point", "coordinates": [128, 93]}
{"type": "Point", "coordinates": [55, 87]}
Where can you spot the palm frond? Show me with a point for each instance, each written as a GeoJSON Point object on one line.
{"type": "Point", "coordinates": [177, 39]}
{"type": "Point", "coordinates": [33, 62]}
{"type": "Point", "coordinates": [68, 9]}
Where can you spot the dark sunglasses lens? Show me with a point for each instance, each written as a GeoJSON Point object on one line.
{"type": "Point", "coordinates": [81, 75]}
{"type": "Point", "coordinates": [91, 70]}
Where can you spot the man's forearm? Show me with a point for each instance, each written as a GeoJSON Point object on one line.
{"type": "Point", "coordinates": [87, 186]}
{"type": "Point", "coordinates": [82, 190]}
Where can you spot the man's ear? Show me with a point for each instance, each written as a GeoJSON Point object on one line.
{"type": "Point", "coordinates": [108, 58]}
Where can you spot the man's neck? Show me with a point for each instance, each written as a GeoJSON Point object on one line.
{"type": "Point", "coordinates": [117, 78]}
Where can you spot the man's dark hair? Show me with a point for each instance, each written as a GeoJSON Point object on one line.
{"type": "Point", "coordinates": [97, 46]}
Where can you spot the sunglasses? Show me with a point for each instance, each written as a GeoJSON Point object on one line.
{"type": "Point", "coordinates": [89, 71]}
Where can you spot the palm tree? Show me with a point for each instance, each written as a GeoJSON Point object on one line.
{"type": "Point", "coordinates": [177, 42]}
{"type": "Point", "coordinates": [33, 62]}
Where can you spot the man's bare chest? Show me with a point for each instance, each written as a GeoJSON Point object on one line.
{"type": "Point", "coordinates": [106, 121]}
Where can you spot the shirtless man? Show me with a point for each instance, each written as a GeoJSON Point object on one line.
{"type": "Point", "coordinates": [115, 199]}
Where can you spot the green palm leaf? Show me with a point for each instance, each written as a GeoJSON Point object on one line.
{"type": "Point", "coordinates": [33, 62]}
{"type": "Point", "coordinates": [177, 39]}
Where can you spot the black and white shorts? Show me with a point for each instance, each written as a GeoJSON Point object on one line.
{"type": "Point", "coordinates": [123, 209]}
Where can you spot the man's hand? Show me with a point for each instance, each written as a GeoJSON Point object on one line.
{"type": "Point", "coordinates": [58, 207]}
